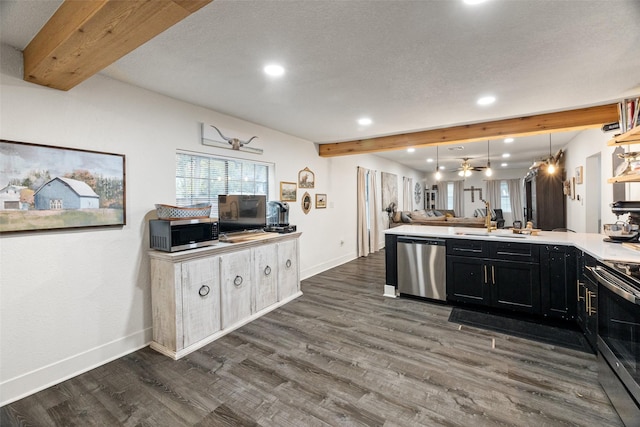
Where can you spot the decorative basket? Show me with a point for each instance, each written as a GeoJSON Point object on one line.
{"type": "Point", "coordinates": [201, 210]}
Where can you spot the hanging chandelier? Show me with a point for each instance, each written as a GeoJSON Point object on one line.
{"type": "Point", "coordinates": [438, 174]}
{"type": "Point", "coordinates": [551, 167]}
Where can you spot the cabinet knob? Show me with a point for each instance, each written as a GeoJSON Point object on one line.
{"type": "Point", "coordinates": [204, 290]}
{"type": "Point", "coordinates": [237, 281]}
{"type": "Point", "coordinates": [267, 270]}
{"type": "Point", "coordinates": [288, 263]}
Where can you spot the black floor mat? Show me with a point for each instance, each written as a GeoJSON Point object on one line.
{"type": "Point", "coordinates": [561, 337]}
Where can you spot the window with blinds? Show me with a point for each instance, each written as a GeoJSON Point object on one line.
{"type": "Point", "coordinates": [505, 199]}
{"type": "Point", "coordinates": [201, 178]}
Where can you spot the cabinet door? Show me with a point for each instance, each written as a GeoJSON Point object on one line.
{"type": "Point", "coordinates": [200, 300]}
{"type": "Point", "coordinates": [467, 280]}
{"type": "Point", "coordinates": [236, 284]}
{"type": "Point", "coordinates": [591, 312]}
{"type": "Point", "coordinates": [390, 260]}
{"type": "Point", "coordinates": [265, 272]}
{"type": "Point", "coordinates": [288, 270]}
{"type": "Point", "coordinates": [558, 281]}
{"type": "Point", "coordinates": [515, 286]}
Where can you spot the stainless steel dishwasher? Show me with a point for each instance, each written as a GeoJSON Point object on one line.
{"type": "Point", "coordinates": [422, 267]}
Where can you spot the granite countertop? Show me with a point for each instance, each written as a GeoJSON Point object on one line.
{"type": "Point", "coordinates": [591, 243]}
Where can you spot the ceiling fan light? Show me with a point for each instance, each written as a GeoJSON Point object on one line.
{"type": "Point", "coordinates": [461, 173]}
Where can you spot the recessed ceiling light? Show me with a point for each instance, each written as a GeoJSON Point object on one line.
{"type": "Point", "coordinates": [503, 164]}
{"type": "Point", "coordinates": [508, 140]}
{"type": "Point", "coordinates": [411, 150]}
{"type": "Point", "coordinates": [274, 70]}
{"type": "Point", "coordinates": [486, 100]}
{"type": "Point", "coordinates": [506, 155]}
{"type": "Point", "coordinates": [442, 167]}
{"type": "Point", "coordinates": [365, 121]}
{"type": "Point", "coordinates": [472, 2]}
{"type": "Point", "coordinates": [456, 148]}
{"type": "Point", "coordinates": [429, 160]}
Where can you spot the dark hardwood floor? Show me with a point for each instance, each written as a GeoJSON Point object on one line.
{"type": "Point", "coordinates": [340, 355]}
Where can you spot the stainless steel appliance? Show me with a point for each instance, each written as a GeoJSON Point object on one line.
{"type": "Point", "coordinates": [278, 217]}
{"type": "Point", "coordinates": [619, 336]}
{"type": "Point", "coordinates": [422, 267]}
{"type": "Point", "coordinates": [277, 213]}
{"type": "Point", "coordinates": [178, 235]}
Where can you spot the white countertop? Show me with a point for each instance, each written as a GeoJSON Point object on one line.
{"type": "Point", "coordinates": [590, 243]}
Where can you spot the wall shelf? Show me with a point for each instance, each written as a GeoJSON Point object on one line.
{"type": "Point", "coordinates": [629, 137]}
{"type": "Point", "coordinates": [624, 178]}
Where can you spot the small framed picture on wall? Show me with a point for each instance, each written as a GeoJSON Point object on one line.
{"type": "Point", "coordinates": [288, 191]}
{"type": "Point", "coordinates": [321, 201]}
{"type": "Point", "coordinates": [579, 174]}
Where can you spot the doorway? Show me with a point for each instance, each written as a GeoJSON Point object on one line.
{"type": "Point", "coordinates": [593, 197]}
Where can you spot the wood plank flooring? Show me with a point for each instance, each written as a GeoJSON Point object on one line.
{"type": "Point", "coordinates": [341, 355]}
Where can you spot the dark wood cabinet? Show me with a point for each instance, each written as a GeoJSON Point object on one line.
{"type": "Point", "coordinates": [391, 263]}
{"type": "Point", "coordinates": [558, 278]}
{"type": "Point", "coordinates": [544, 200]}
{"type": "Point", "coordinates": [587, 300]}
{"type": "Point", "coordinates": [467, 280]}
{"type": "Point", "coordinates": [515, 286]}
{"type": "Point", "coordinates": [475, 276]}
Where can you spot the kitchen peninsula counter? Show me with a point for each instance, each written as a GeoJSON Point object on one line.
{"type": "Point", "coordinates": [591, 243]}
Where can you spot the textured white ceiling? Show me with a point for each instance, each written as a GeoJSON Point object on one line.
{"type": "Point", "coordinates": [409, 65]}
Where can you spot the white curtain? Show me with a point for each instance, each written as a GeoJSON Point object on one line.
{"type": "Point", "coordinates": [494, 196]}
{"type": "Point", "coordinates": [407, 194]}
{"type": "Point", "coordinates": [515, 197]}
{"type": "Point", "coordinates": [442, 196]}
{"type": "Point", "coordinates": [368, 205]}
{"type": "Point", "coordinates": [458, 197]}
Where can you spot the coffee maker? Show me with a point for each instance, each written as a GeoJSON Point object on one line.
{"type": "Point", "coordinates": [628, 232]}
{"type": "Point", "coordinates": [278, 217]}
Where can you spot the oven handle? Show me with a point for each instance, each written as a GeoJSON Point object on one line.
{"type": "Point", "coordinates": [612, 283]}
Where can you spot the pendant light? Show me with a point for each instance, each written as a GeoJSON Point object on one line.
{"type": "Point", "coordinates": [438, 174]}
{"type": "Point", "coordinates": [488, 171]}
{"type": "Point", "coordinates": [551, 167]}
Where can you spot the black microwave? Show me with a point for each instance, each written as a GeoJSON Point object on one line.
{"type": "Point", "coordinates": [178, 235]}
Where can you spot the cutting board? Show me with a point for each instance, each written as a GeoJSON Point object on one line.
{"type": "Point", "coordinates": [247, 237]}
{"type": "Point", "coordinates": [635, 246]}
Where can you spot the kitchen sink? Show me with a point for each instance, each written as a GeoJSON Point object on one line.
{"type": "Point", "coordinates": [493, 234]}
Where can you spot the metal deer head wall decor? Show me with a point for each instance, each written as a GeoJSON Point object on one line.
{"type": "Point", "coordinates": [212, 138]}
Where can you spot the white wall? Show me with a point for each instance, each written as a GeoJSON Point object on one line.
{"type": "Point", "coordinates": [73, 300]}
{"type": "Point", "coordinates": [586, 144]}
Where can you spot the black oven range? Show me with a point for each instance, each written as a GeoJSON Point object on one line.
{"type": "Point", "coordinates": [619, 336]}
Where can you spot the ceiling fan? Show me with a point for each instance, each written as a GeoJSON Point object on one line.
{"type": "Point", "coordinates": [466, 168]}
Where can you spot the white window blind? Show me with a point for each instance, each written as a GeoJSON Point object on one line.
{"type": "Point", "coordinates": [505, 199]}
{"type": "Point", "coordinates": [450, 195]}
{"type": "Point", "coordinates": [201, 178]}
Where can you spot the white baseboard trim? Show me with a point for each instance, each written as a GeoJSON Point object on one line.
{"type": "Point", "coordinates": [317, 269]}
{"type": "Point", "coordinates": [390, 291]}
{"type": "Point", "coordinates": [32, 382]}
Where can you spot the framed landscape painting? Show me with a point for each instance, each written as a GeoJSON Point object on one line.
{"type": "Point", "coordinates": [50, 188]}
{"type": "Point", "coordinates": [288, 191]}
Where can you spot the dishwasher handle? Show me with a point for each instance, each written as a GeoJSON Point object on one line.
{"type": "Point", "coordinates": [421, 241]}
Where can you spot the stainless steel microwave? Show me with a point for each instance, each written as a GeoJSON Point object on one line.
{"type": "Point", "coordinates": [179, 235]}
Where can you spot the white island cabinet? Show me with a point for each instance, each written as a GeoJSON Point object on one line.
{"type": "Point", "coordinates": [202, 294]}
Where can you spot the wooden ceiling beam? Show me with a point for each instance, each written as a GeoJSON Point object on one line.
{"type": "Point", "coordinates": [582, 118]}
{"type": "Point", "coordinates": [84, 37]}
